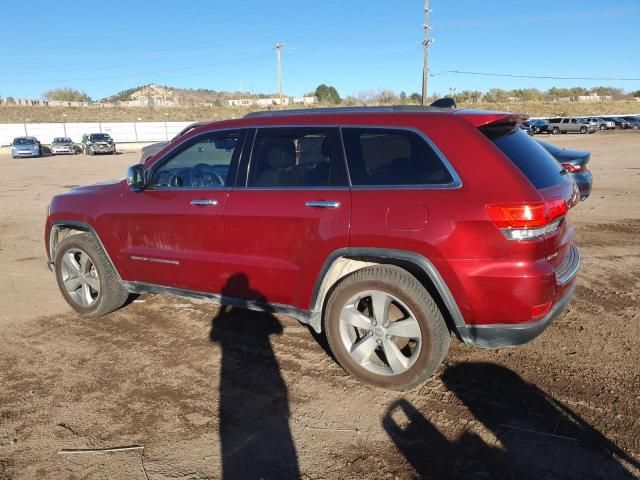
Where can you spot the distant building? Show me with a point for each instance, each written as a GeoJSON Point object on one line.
{"type": "Point", "coordinates": [148, 102]}
{"type": "Point", "coordinates": [60, 103]}
{"type": "Point", "coordinates": [271, 101]}
{"type": "Point", "coordinates": [593, 98]}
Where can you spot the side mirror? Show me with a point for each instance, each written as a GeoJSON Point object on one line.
{"type": "Point", "coordinates": [135, 178]}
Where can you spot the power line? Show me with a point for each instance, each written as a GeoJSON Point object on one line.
{"type": "Point", "coordinates": [548, 77]}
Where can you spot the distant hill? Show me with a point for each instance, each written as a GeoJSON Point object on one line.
{"type": "Point", "coordinates": [181, 96]}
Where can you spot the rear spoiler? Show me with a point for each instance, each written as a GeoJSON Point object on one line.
{"type": "Point", "coordinates": [493, 124]}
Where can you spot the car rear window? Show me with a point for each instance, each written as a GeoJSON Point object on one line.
{"type": "Point", "coordinates": [538, 165]}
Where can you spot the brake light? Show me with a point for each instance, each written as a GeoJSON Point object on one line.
{"type": "Point", "coordinates": [527, 221]}
{"type": "Point", "coordinates": [571, 168]}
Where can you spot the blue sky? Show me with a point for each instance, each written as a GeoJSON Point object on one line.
{"type": "Point", "coordinates": [355, 45]}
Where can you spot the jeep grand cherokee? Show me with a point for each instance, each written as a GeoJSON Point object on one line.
{"type": "Point", "coordinates": [387, 228]}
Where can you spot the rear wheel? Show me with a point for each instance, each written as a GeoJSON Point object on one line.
{"type": "Point", "coordinates": [384, 328]}
{"type": "Point", "coordinates": [603, 127]}
{"type": "Point", "coordinates": [86, 277]}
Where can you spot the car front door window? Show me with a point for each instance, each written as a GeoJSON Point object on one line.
{"type": "Point", "coordinates": [203, 163]}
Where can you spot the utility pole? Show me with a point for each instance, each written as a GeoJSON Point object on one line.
{"type": "Point", "coordinates": [279, 46]}
{"type": "Point", "coordinates": [425, 43]}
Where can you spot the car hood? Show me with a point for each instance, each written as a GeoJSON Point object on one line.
{"type": "Point", "coordinates": [96, 187]}
{"type": "Point", "coordinates": [26, 147]}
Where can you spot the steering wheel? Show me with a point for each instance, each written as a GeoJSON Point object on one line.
{"type": "Point", "coordinates": [204, 175]}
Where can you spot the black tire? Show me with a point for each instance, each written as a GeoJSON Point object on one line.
{"type": "Point", "coordinates": [395, 281]}
{"type": "Point", "coordinates": [583, 130]}
{"type": "Point", "coordinates": [555, 131]}
{"type": "Point", "coordinates": [112, 295]}
{"type": "Point", "coordinates": [603, 127]}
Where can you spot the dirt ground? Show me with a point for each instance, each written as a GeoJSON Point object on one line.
{"type": "Point", "coordinates": [225, 393]}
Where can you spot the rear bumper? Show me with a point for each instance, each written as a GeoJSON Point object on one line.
{"type": "Point", "coordinates": [503, 304]}
{"type": "Point", "coordinates": [498, 336]}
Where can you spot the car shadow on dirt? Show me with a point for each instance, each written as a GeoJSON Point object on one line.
{"type": "Point", "coordinates": [530, 434]}
{"type": "Point", "coordinates": [255, 437]}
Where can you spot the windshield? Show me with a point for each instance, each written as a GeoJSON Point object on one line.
{"type": "Point", "coordinates": [61, 140]}
{"type": "Point", "coordinates": [99, 137]}
{"type": "Point", "coordinates": [24, 141]}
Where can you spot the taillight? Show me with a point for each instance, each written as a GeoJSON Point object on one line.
{"type": "Point", "coordinates": [527, 221]}
{"type": "Point", "coordinates": [571, 168]}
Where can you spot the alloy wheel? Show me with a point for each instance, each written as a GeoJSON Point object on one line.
{"type": "Point", "coordinates": [380, 332]}
{"type": "Point", "coordinates": [80, 277]}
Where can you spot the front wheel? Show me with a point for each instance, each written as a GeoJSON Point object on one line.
{"type": "Point", "coordinates": [384, 328]}
{"type": "Point", "coordinates": [555, 130]}
{"type": "Point", "coordinates": [583, 130]}
{"type": "Point", "coordinates": [86, 278]}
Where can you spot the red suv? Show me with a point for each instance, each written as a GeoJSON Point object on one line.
{"type": "Point", "coordinates": [387, 228]}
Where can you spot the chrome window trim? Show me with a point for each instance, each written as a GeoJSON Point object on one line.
{"type": "Point", "coordinates": [160, 161]}
{"type": "Point", "coordinates": [455, 183]}
{"type": "Point", "coordinates": [328, 188]}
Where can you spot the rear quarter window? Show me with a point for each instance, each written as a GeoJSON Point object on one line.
{"type": "Point", "coordinates": [388, 157]}
{"type": "Point", "coordinates": [531, 158]}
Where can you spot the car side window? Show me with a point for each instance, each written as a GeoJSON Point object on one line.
{"type": "Point", "coordinates": [204, 162]}
{"type": "Point", "coordinates": [295, 157]}
{"type": "Point", "coordinates": [378, 156]}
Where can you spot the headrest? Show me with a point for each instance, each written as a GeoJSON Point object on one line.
{"type": "Point", "coordinates": [280, 152]}
{"type": "Point", "coordinates": [325, 149]}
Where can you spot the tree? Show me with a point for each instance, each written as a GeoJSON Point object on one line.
{"type": "Point", "coordinates": [327, 94]}
{"type": "Point", "coordinates": [415, 97]}
{"type": "Point", "coordinates": [66, 94]}
{"type": "Point", "coordinates": [384, 96]}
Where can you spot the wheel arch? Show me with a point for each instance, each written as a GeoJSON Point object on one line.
{"type": "Point", "coordinates": [347, 260]}
{"type": "Point", "coordinates": [62, 229]}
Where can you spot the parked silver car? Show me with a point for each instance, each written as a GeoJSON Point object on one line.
{"type": "Point", "coordinates": [601, 123]}
{"type": "Point", "coordinates": [570, 124]}
{"type": "Point", "coordinates": [153, 148]}
{"type": "Point", "coordinates": [25, 147]}
{"type": "Point", "coordinates": [63, 145]}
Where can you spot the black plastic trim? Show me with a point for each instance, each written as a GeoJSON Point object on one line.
{"type": "Point", "coordinates": [142, 287]}
{"type": "Point", "coordinates": [510, 335]}
{"type": "Point", "coordinates": [386, 254]}
{"type": "Point", "coordinates": [83, 226]}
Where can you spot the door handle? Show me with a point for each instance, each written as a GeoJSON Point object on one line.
{"type": "Point", "coordinates": [204, 202]}
{"type": "Point", "coordinates": [322, 204]}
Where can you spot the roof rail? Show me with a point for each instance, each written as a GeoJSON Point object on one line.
{"type": "Point", "coordinates": [343, 110]}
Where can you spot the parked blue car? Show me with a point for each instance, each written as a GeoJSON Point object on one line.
{"type": "Point", "coordinates": [25, 147]}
